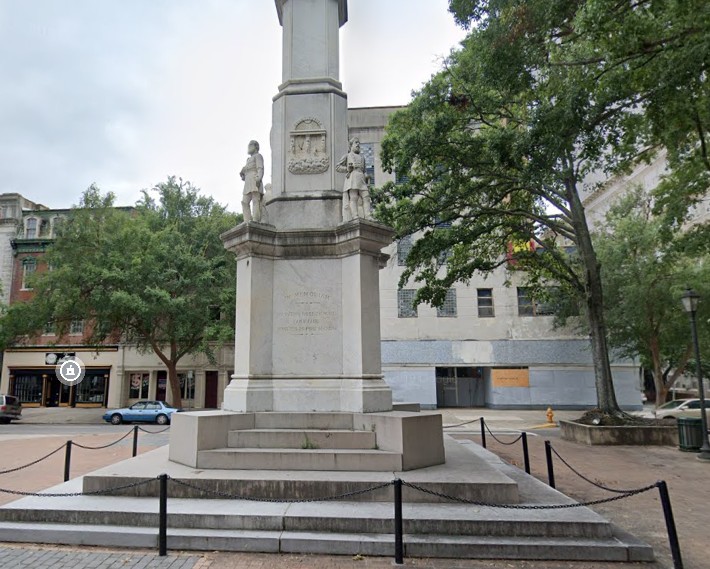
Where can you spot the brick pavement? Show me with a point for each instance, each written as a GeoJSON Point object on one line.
{"type": "Point", "coordinates": [60, 558]}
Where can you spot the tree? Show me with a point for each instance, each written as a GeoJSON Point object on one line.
{"type": "Point", "coordinates": [646, 267]}
{"type": "Point", "coordinates": [155, 276]}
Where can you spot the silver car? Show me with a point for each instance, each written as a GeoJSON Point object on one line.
{"type": "Point", "coordinates": [10, 408]}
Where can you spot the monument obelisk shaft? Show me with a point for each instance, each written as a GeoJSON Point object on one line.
{"type": "Point", "coordinates": [308, 312]}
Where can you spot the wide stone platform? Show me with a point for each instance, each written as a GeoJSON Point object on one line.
{"type": "Point", "coordinates": [341, 527]}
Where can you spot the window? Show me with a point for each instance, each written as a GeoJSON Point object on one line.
{"type": "Point", "coordinates": [187, 384]}
{"type": "Point", "coordinates": [29, 266]}
{"type": "Point", "coordinates": [527, 306]}
{"type": "Point", "coordinates": [400, 178]}
{"type": "Point", "coordinates": [448, 309]}
{"type": "Point", "coordinates": [30, 228]}
{"type": "Point", "coordinates": [404, 246]}
{"type": "Point", "coordinates": [405, 303]}
{"type": "Point", "coordinates": [139, 384]}
{"type": "Point", "coordinates": [76, 327]}
{"type": "Point", "coordinates": [485, 303]}
{"type": "Point", "coordinates": [49, 328]}
{"type": "Point", "coordinates": [28, 388]}
{"type": "Point", "coordinates": [367, 149]}
{"type": "Point", "coordinates": [92, 389]}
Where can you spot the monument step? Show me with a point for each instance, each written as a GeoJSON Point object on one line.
{"type": "Point", "coordinates": [425, 546]}
{"type": "Point", "coordinates": [326, 517]}
{"type": "Point", "coordinates": [353, 460]}
{"type": "Point", "coordinates": [295, 420]}
{"type": "Point", "coordinates": [302, 439]}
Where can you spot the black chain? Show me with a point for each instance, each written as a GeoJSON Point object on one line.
{"type": "Point", "coordinates": [531, 506]}
{"type": "Point", "coordinates": [281, 501]}
{"type": "Point", "coordinates": [154, 432]}
{"type": "Point", "coordinates": [75, 494]}
{"type": "Point", "coordinates": [520, 436]}
{"type": "Point", "coordinates": [461, 424]}
{"type": "Point", "coordinates": [102, 446]}
{"type": "Point", "coordinates": [9, 470]}
{"type": "Point", "coordinates": [583, 477]}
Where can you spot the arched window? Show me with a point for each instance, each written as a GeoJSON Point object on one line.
{"type": "Point", "coordinates": [30, 228]}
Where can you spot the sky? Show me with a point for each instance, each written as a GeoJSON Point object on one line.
{"type": "Point", "coordinates": [124, 93]}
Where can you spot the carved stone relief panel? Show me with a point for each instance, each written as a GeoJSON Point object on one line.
{"type": "Point", "coordinates": [307, 153]}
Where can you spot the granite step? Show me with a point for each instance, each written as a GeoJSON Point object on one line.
{"type": "Point", "coordinates": [426, 546]}
{"type": "Point", "coordinates": [294, 420]}
{"type": "Point", "coordinates": [302, 439]}
{"type": "Point", "coordinates": [352, 460]}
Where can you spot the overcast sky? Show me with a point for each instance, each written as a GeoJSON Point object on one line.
{"type": "Point", "coordinates": [124, 93]}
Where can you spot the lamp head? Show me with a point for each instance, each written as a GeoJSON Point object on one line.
{"type": "Point", "coordinates": [690, 300]}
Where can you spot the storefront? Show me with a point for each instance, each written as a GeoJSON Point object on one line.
{"type": "Point", "coordinates": [40, 388]}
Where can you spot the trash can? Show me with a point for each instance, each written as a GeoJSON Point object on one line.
{"type": "Point", "coordinates": [690, 434]}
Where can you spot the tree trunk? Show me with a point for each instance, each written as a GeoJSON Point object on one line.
{"type": "Point", "coordinates": [175, 393]}
{"type": "Point", "coordinates": [594, 298]}
{"type": "Point", "coordinates": [658, 381]}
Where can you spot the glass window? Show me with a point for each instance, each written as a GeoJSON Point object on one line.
{"type": "Point", "coordinates": [405, 303]}
{"type": "Point", "coordinates": [153, 405]}
{"type": "Point", "coordinates": [525, 303]}
{"type": "Point", "coordinates": [29, 266]}
{"type": "Point", "coordinates": [30, 228]}
{"type": "Point", "coordinates": [187, 384]}
{"type": "Point", "coordinates": [137, 406]}
{"type": "Point", "coordinates": [28, 388]}
{"type": "Point", "coordinates": [367, 149]}
{"type": "Point", "coordinates": [139, 384]}
{"type": "Point", "coordinates": [404, 246]}
{"type": "Point", "coordinates": [76, 327]}
{"type": "Point", "coordinates": [92, 389]}
{"type": "Point", "coordinates": [448, 309]}
{"type": "Point", "coordinates": [401, 178]}
{"type": "Point", "coordinates": [485, 303]}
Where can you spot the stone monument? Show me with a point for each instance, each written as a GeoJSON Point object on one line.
{"type": "Point", "coordinates": [308, 313]}
{"type": "Point", "coordinates": [253, 175]}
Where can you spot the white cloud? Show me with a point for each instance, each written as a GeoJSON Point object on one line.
{"type": "Point", "coordinates": [126, 92]}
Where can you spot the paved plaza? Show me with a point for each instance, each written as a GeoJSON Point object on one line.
{"type": "Point", "coordinates": [625, 467]}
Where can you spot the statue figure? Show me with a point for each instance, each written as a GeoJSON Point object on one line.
{"type": "Point", "coordinates": [253, 174]}
{"type": "Point", "coordinates": [356, 193]}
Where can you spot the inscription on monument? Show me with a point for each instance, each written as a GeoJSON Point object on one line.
{"type": "Point", "coordinates": [308, 313]}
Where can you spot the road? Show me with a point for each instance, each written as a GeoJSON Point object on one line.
{"type": "Point", "coordinates": [21, 429]}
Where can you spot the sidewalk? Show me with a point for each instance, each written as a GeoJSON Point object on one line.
{"type": "Point", "coordinates": [61, 415]}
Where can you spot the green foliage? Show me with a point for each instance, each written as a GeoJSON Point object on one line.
{"type": "Point", "coordinates": [646, 268]}
{"type": "Point", "coordinates": [155, 276]}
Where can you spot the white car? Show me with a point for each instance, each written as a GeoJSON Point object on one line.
{"type": "Point", "coordinates": [682, 408]}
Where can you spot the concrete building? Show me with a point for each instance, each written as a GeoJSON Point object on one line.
{"type": "Point", "coordinates": [489, 345]}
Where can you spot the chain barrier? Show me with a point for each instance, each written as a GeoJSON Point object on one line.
{"type": "Point", "coordinates": [532, 506]}
{"type": "Point", "coordinates": [229, 496]}
{"type": "Point", "coordinates": [76, 494]}
{"type": "Point", "coordinates": [462, 424]}
{"type": "Point", "coordinates": [87, 447]}
{"type": "Point", "coordinates": [154, 432]}
{"type": "Point", "coordinates": [9, 470]}
{"type": "Point", "coordinates": [520, 436]}
{"type": "Point", "coordinates": [583, 477]}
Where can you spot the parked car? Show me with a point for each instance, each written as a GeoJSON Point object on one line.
{"type": "Point", "coordinates": [682, 408]}
{"type": "Point", "coordinates": [10, 408]}
{"type": "Point", "coordinates": [143, 411]}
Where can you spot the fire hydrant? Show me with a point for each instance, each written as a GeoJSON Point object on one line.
{"type": "Point", "coordinates": [550, 415]}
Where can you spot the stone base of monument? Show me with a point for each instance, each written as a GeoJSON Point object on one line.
{"type": "Point", "coordinates": [361, 524]}
{"type": "Point", "coordinates": [380, 442]}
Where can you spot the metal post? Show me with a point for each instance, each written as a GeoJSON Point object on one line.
{"type": "Point", "coordinates": [670, 524]}
{"type": "Point", "coordinates": [483, 432]}
{"type": "Point", "coordinates": [704, 453]}
{"type": "Point", "coordinates": [135, 440]}
{"type": "Point", "coordinates": [163, 516]}
{"type": "Point", "coordinates": [67, 461]}
{"type": "Point", "coordinates": [526, 454]}
{"type": "Point", "coordinates": [550, 467]}
{"type": "Point", "coordinates": [398, 546]}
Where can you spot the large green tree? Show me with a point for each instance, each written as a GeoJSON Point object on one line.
{"type": "Point", "coordinates": [501, 144]}
{"type": "Point", "coordinates": [155, 276]}
{"type": "Point", "coordinates": [646, 267]}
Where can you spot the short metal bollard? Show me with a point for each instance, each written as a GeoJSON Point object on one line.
{"type": "Point", "coordinates": [526, 454]}
{"type": "Point", "coordinates": [135, 440]}
{"type": "Point", "coordinates": [67, 461]}
{"type": "Point", "coordinates": [398, 545]}
{"type": "Point", "coordinates": [550, 467]}
{"type": "Point", "coordinates": [163, 516]}
{"type": "Point", "coordinates": [483, 432]}
{"type": "Point", "coordinates": [670, 524]}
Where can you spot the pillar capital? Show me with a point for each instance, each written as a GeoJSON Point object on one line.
{"type": "Point", "coordinates": [342, 10]}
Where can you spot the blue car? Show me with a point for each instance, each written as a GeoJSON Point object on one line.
{"type": "Point", "coordinates": [142, 411]}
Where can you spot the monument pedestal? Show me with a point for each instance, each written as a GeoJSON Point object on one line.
{"type": "Point", "coordinates": [308, 319]}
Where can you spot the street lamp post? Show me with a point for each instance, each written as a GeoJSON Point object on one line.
{"type": "Point", "coordinates": [690, 300]}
